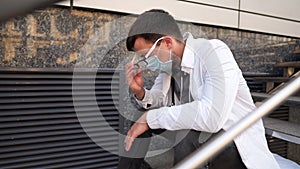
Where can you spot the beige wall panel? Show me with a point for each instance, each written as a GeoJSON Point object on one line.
{"type": "Point", "coordinates": [280, 8]}
{"type": "Point", "coordinates": [206, 14]}
{"type": "Point", "coordinates": [180, 10]}
{"type": "Point", "coordinates": [223, 3]}
{"type": "Point", "coordinates": [269, 25]}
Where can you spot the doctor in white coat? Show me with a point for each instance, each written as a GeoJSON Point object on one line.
{"type": "Point", "coordinates": [216, 94]}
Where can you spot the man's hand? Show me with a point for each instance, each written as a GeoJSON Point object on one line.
{"type": "Point", "coordinates": [135, 81]}
{"type": "Point", "coordinates": [139, 127]}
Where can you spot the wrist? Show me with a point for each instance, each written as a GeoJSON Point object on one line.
{"type": "Point", "coordinates": [140, 94]}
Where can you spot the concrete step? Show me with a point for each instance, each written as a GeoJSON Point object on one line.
{"type": "Point", "coordinates": [284, 130]}
{"type": "Point", "coordinates": [295, 64]}
{"type": "Point", "coordinates": [289, 68]}
{"type": "Point", "coordinates": [291, 101]}
{"type": "Point", "coordinates": [272, 79]}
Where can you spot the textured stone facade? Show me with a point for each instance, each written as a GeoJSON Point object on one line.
{"type": "Point", "coordinates": [63, 38]}
{"type": "Point", "coordinates": [53, 38]}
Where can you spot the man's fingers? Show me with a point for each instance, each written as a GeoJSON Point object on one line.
{"type": "Point", "coordinates": [128, 142]}
{"type": "Point", "coordinates": [136, 129]}
{"type": "Point", "coordinates": [129, 138]}
{"type": "Point", "coordinates": [129, 73]}
{"type": "Point", "coordinates": [139, 71]}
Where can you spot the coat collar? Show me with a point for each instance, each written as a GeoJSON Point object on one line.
{"type": "Point", "coordinates": [187, 63]}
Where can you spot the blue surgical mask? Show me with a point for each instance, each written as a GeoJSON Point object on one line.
{"type": "Point", "coordinates": [154, 64]}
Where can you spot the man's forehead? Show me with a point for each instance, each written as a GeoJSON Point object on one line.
{"type": "Point", "coordinates": [141, 44]}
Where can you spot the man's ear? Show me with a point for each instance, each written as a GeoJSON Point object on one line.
{"type": "Point", "coordinates": [169, 41]}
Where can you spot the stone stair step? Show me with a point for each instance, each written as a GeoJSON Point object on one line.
{"type": "Point", "coordinates": [288, 67]}
{"type": "Point", "coordinates": [291, 101]}
{"type": "Point", "coordinates": [295, 64]}
{"type": "Point", "coordinates": [272, 79]}
{"type": "Point", "coordinates": [259, 74]}
{"type": "Point", "coordinates": [282, 129]}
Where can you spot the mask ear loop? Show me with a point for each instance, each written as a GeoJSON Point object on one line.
{"type": "Point", "coordinates": [153, 47]}
{"type": "Point", "coordinates": [170, 56]}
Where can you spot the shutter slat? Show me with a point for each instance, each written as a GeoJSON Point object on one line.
{"type": "Point", "coordinates": [5, 113]}
{"type": "Point", "coordinates": [24, 119]}
{"type": "Point", "coordinates": [57, 93]}
{"type": "Point", "coordinates": [48, 158]}
{"type": "Point", "coordinates": [38, 146]}
{"type": "Point", "coordinates": [54, 104]}
{"type": "Point", "coordinates": [54, 99]}
{"type": "Point", "coordinates": [57, 76]}
{"type": "Point", "coordinates": [47, 128]}
{"type": "Point", "coordinates": [25, 151]}
{"type": "Point", "coordinates": [56, 88]}
{"type": "Point", "coordinates": [16, 130]}
{"type": "Point", "coordinates": [43, 122]}
{"type": "Point", "coordinates": [12, 142]}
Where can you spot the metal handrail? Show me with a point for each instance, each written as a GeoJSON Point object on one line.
{"type": "Point", "coordinates": [202, 155]}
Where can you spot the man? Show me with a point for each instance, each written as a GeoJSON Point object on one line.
{"type": "Point", "coordinates": [200, 88]}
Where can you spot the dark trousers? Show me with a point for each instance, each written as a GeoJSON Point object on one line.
{"type": "Point", "coordinates": [185, 142]}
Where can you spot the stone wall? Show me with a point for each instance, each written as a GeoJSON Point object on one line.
{"type": "Point", "coordinates": [59, 37]}
{"type": "Point", "coordinates": [54, 37]}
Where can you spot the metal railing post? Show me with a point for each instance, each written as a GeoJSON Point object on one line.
{"type": "Point", "coordinates": [202, 155]}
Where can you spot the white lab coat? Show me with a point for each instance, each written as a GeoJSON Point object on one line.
{"type": "Point", "coordinates": [221, 98]}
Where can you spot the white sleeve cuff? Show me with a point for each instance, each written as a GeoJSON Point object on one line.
{"type": "Point", "coordinates": [152, 118]}
{"type": "Point", "coordinates": [147, 100]}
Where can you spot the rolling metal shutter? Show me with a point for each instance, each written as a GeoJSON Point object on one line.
{"type": "Point", "coordinates": [39, 127]}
